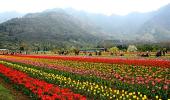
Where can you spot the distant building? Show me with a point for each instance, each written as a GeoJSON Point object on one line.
{"type": "Point", "coordinates": [93, 50]}
{"type": "Point", "coordinates": [3, 51]}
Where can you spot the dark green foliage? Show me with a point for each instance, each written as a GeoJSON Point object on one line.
{"type": "Point", "coordinates": [21, 49]}
{"type": "Point", "coordinates": [148, 47]}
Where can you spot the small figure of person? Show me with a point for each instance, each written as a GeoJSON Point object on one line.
{"type": "Point", "coordinates": [90, 54]}
{"type": "Point", "coordinates": [158, 53]}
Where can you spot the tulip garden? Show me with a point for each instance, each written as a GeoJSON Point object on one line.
{"type": "Point", "coordinates": [87, 78]}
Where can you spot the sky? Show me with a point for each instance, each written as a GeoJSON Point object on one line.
{"type": "Point", "coordinates": [107, 7]}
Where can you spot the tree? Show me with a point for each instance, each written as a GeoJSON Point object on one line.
{"type": "Point", "coordinates": [122, 47]}
{"type": "Point", "coordinates": [21, 48]}
{"type": "Point", "coordinates": [132, 48]}
{"type": "Point", "coordinates": [75, 50]}
{"type": "Point", "coordinates": [72, 49]}
{"type": "Point", "coordinates": [114, 50]}
{"type": "Point", "coordinates": [155, 48]}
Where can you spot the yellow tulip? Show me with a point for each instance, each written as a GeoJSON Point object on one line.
{"type": "Point", "coordinates": [140, 95]}
{"type": "Point", "coordinates": [157, 97]}
{"type": "Point", "coordinates": [130, 93]}
{"type": "Point", "coordinates": [127, 96]}
{"type": "Point", "coordinates": [145, 97]}
{"type": "Point", "coordinates": [134, 96]}
{"type": "Point", "coordinates": [120, 97]}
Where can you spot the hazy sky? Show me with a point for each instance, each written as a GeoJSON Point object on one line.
{"type": "Point", "coordinates": [121, 7]}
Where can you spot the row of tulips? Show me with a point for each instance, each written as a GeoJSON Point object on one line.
{"type": "Point", "coordinates": [91, 89]}
{"type": "Point", "coordinates": [143, 62]}
{"type": "Point", "coordinates": [118, 84]}
{"type": "Point", "coordinates": [42, 89]}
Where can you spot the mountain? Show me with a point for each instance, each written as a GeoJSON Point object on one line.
{"type": "Point", "coordinates": [9, 15]}
{"type": "Point", "coordinates": [158, 27]}
{"type": "Point", "coordinates": [47, 29]}
{"type": "Point", "coordinates": [114, 26]}
{"type": "Point", "coordinates": [140, 27]}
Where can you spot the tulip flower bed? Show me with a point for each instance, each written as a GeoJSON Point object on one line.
{"type": "Point", "coordinates": [91, 89]}
{"type": "Point", "coordinates": [97, 80]}
{"type": "Point", "coordinates": [43, 90]}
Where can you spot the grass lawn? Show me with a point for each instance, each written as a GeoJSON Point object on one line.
{"type": "Point", "coordinates": [5, 94]}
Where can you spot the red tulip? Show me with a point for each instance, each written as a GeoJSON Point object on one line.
{"type": "Point", "coordinates": [165, 87]}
